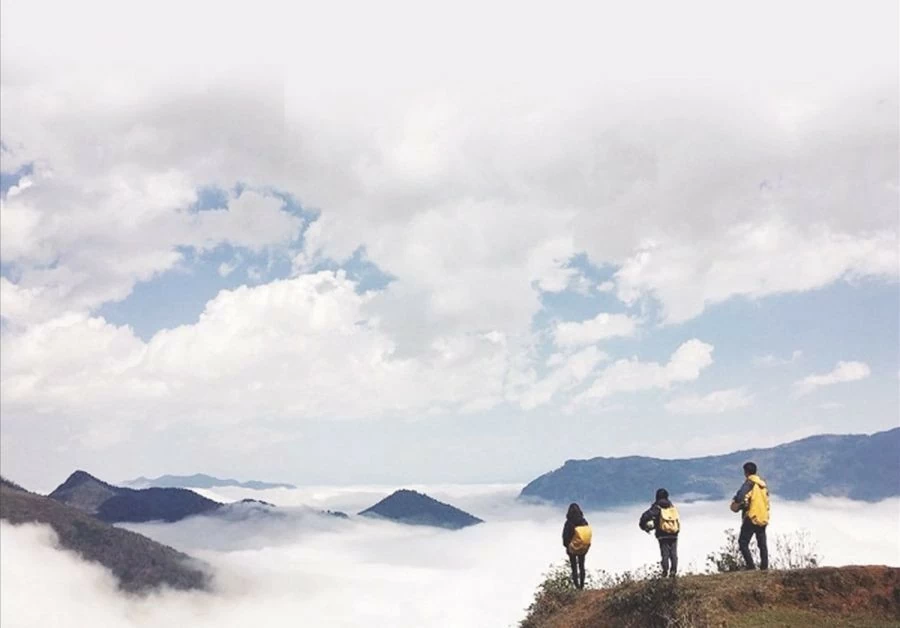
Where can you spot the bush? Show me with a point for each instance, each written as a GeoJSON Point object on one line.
{"type": "Point", "coordinates": [553, 594]}
{"type": "Point", "coordinates": [609, 580]}
{"type": "Point", "coordinates": [728, 557]}
{"type": "Point", "coordinates": [557, 590]}
{"type": "Point", "coordinates": [655, 603]}
{"type": "Point", "coordinates": [796, 550]}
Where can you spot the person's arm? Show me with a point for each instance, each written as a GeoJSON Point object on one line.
{"type": "Point", "coordinates": [649, 515]}
{"type": "Point", "coordinates": [739, 501]}
{"type": "Point", "coordinates": [568, 533]}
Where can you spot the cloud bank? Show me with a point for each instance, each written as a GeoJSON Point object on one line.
{"type": "Point", "coordinates": [345, 573]}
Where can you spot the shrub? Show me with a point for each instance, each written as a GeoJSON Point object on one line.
{"type": "Point", "coordinates": [655, 603]}
{"type": "Point", "coordinates": [728, 557]}
{"type": "Point", "coordinates": [796, 550]}
{"type": "Point", "coordinates": [609, 580]}
{"type": "Point", "coordinates": [553, 594]}
{"type": "Point", "coordinates": [557, 590]}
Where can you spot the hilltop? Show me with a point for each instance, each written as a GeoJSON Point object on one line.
{"type": "Point", "coordinates": [860, 467]}
{"type": "Point", "coordinates": [200, 480]}
{"type": "Point", "coordinates": [851, 597]}
{"type": "Point", "coordinates": [114, 504]}
{"type": "Point", "coordinates": [411, 507]}
{"type": "Point", "coordinates": [137, 562]}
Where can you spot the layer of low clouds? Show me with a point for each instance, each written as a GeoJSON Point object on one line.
{"type": "Point", "coordinates": [344, 573]}
{"type": "Point", "coordinates": [843, 372]}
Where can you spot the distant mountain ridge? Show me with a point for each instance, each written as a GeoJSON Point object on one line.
{"type": "Point", "coordinates": [411, 507]}
{"type": "Point", "coordinates": [137, 562]}
{"type": "Point", "coordinates": [114, 504]}
{"type": "Point", "coordinates": [861, 467]}
{"type": "Point", "coordinates": [200, 480]}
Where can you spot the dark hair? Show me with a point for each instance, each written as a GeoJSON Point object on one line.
{"type": "Point", "coordinates": [750, 468]}
{"type": "Point", "coordinates": [574, 512]}
{"type": "Point", "coordinates": [661, 493]}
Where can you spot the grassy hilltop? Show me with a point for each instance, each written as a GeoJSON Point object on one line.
{"type": "Point", "coordinates": [851, 597]}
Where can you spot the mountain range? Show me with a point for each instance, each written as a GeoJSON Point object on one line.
{"type": "Point", "coordinates": [856, 466]}
{"type": "Point", "coordinates": [116, 504]}
{"type": "Point", "coordinates": [138, 563]}
{"type": "Point", "coordinates": [200, 480]}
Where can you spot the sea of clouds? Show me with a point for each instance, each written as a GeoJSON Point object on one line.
{"type": "Point", "coordinates": [311, 570]}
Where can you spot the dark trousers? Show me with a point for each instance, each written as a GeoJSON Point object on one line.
{"type": "Point", "coordinates": [748, 530]}
{"type": "Point", "coordinates": [668, 552]}
{"type": "Point", "coordinates": [577, 563]}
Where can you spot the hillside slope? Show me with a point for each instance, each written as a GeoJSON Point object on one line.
{"type": "Point", "coordinates": [852, 597]}
{"type": "Point", "coordinates": [138, 562]}
{"type": "Point", "coordinates": [861, 467]}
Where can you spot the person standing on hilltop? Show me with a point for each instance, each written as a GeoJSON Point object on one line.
{"type": "Point", "coordinates": [662, 516]}
{"type": "Point", "coordinates": [752, 501]}
{"type": "Point", "coordinates": [576, 538]}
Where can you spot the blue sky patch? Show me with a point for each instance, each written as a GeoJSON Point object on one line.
{"type": "Point", "coordinates": [9, 179]}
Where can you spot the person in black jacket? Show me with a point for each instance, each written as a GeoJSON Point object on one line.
{"type": "Point", "coordinates": [574, 518]}
{"type": "Point", "coordinates": [668, 541]}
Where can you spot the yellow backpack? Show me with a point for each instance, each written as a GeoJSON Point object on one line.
{"type": "Point", "coordinates": [758, 502]}
{"type": "Point", "coordinates": [668, 520]}
{"type": "Point", "coordinates": [581, 542]}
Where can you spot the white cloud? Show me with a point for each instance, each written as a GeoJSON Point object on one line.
{"type": "Point", "coordinates": [716, 402]}
{"type": "Point", "coordinates": [753, 260]}
{"type": "Point", "coordinates": [87, 251]}
{"type": "Point", "coordinates": [602, 326]}
{"type": "Point", "coordinates": [631, 375]}
{"type": "Point", "coordinates": [253, 221]}
{"type": "Point", "coordinates": [271, 573]}
{"type": "Point", "coordinates": [571, 371]}
{"type": "Point", "coordinates": [770, 360]}
{"type": "Point", "coordinates": [471, 175]}
{"type": "Point", "coordinates": [292, 348]}
{"type": "Point", "coordinates": [226, 268]}
{"type": "Point", "coordinates": [516, 174]}
{"type": "Point", "coordinates": [606, 286]}
{"type": "Point", "coordinates": [843, 372]}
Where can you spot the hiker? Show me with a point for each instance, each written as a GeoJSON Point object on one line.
{"type": "Point", "coordinates": [752, 501]}
{"type": "Point", "coordinates": [662, 516]}
{"type": "Point", "coordinates": [576, 538]}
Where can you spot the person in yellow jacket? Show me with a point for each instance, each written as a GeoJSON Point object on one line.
{"type": "Point", "coordinates": [576, 538]}
{"type": "Point", "coordinates": [752, 501]}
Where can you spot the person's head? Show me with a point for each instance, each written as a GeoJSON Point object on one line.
{"type": "Point", "coordinates": [661, 494]}
{"type": "Point", "coordinates": [574, 512]}
{"type": "Point", "coordinates": [749, 469]}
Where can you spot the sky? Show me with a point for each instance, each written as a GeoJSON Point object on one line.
{"type": "Point", "coordinates": [353, 244]}
{"type": "Point", "coordinates": [332, 573]}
